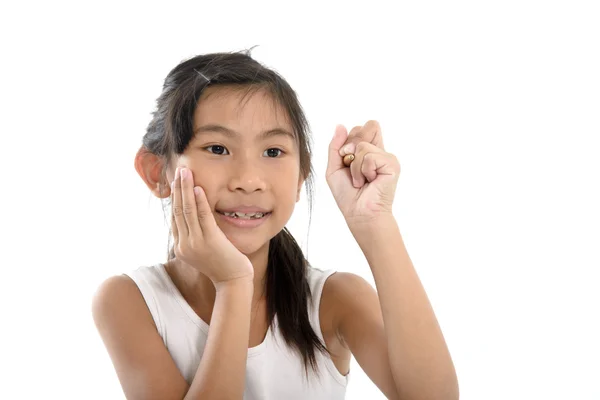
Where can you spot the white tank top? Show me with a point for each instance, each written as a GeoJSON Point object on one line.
{"type": "Point", "coordinates": [273, 371]}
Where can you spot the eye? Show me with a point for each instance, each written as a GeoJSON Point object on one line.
{"type": "Point", "coordinates": [273, 152]}
{"type": "Point", "coordinates": [216, 149]}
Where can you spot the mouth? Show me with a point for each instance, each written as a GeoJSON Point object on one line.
{"type": "Point", "coordinates": [245, 216]}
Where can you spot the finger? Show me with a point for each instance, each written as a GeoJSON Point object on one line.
{"type": "Point", "coordinates": [368, 167]}
{"type": "Point", "coordinates": [370, 133]}
{"type": "Point", "coordinates": [358, 180]}
{"type": "Point", "coordinates": [206, 219]}
{"type": "Point", "coordinates": [335, 162]}
{"type": "Point", "coordinates": [177, 206]}
{"type": "Point", "coordinates": [377, 163]}
{"type": "Point", "coordinates": [349, 146]}
{"type": "Point", "coordinates": [364, 168]}
{"type": "Point", "coordinates": [189, 208]}
{"type": "Point", "coordinates": [174, 232]}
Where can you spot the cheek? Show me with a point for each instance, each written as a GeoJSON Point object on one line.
{"type": "Point", "coordinates": [202, 177]}
{"type": "Point", "coordinates": [286, 197]}
{"type": "Point", "coordinates": [289, 170]}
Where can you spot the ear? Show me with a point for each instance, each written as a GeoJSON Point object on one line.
{"type": "Point", "coordinates": [149, 166]}
{"type": "Point", "coordinates": [300, 182]}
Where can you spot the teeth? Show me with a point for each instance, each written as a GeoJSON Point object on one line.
{"type": "Point", "coordinates": [243, 215]}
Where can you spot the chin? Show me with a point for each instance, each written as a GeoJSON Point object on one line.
{"type": "Point", "coordinates": [248, 247]}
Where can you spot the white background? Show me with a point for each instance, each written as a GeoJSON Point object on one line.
{"type": "Point", "coordinates": [493, 109]}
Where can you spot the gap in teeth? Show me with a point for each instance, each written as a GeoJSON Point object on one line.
{"type": "Point", "coordinates": [244, 216]}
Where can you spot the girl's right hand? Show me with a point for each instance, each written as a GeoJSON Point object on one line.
{"type": "Point", "coordinates": [199, 241]}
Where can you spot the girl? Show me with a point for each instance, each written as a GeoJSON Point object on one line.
{"type": "Point", "coordinates": [237, 311]}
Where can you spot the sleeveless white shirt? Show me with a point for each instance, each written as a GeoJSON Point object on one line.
{"type": "Point", "coordinates": [273, 371]}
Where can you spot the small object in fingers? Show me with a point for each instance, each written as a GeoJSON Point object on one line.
{"type": "Point", "coordinates": [348, 158]}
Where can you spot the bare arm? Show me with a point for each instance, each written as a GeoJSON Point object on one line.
{"type": "Point", "coordinates": [222, 371]}
{"type": "Point", "coordinates": [418, 358]}
{"type": "Point", "coordinates": [143, 364]}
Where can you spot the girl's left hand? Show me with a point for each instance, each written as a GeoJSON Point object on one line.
{"type": "Point", "coordinates": [365, 190]}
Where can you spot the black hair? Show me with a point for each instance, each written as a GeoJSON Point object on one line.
{"type": "Point", "coordinates": [171, 130]}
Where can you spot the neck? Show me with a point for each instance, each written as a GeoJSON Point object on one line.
{"type": "Point", "coordinates": [197, 287]}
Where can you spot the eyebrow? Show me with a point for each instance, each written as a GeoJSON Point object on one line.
{"type": "Point", "coordinates": [233, 134]}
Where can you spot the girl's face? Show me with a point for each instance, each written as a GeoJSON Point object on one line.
{"type": "Point", "coordinates": [243, 154]}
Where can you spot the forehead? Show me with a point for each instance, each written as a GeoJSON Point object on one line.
{"type": "Point", "coordinates": [240, 108]}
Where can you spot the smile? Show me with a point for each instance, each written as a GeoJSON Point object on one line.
{"type": "Point", "coordinates": [242, 220]}
{"type": "Point", "coordinates": [256, 215]}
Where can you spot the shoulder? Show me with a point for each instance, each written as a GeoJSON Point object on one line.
{"type": "Point", "coordinates": [112, 290]}
{"type": "Point", "coordinates": [143, 363]}
{"type": "Point", "coordinates": [346, 296]}
{"type": "Point", "coordinates": [344, 281]}
{"type": "Point", "coordinates": [345, 286]}
{"type": "Point", "coordinates": [116, 299]}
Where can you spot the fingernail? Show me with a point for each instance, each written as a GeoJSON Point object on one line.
{"type": "Point", "coordinates": [183, 173]}
{"type": "Point", "coordinates": [176, 173]}
{"type": "Point", "coordinates": [349, 148]}
{"type": "Point", "coordinates": [345, 150]}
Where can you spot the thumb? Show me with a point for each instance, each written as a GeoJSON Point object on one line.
{"type": "Point", "coordinates": [205, 217]}
{"type": "Point", "coordinates": [335, 162]}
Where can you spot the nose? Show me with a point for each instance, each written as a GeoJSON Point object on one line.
{"type": "Point", "coordinates": [247, 176]}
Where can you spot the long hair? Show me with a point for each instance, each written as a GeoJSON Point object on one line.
{"type": "Point", "coordinates": [168, 135]}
